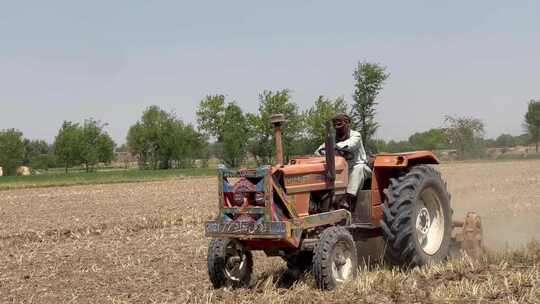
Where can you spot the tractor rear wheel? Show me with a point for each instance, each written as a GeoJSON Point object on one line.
{"type": "Point", "coordinates": [334, 259]}
{"type": "Point", "coordinates": [417, 219]}
{"type": "Point", "coordinates": [229, 263]}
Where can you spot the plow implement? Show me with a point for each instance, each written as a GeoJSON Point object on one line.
{"type": "Point", "coordinates": [467, 235]}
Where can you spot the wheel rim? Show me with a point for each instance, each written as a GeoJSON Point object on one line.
{"type": "Point", "coordinates": [430, 222]}
{"type": "Point", "coordinates": [235, 262]}
{"type": "Point", "coordinates": [342, 262]}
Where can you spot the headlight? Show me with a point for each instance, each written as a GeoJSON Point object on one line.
{"type": "Point", "coordinates": [259, 198]}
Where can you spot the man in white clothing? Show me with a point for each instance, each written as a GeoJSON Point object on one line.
{"type": "Point", "coordinates": [350, 141]}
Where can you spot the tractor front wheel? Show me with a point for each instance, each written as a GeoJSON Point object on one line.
{"type": "Point", "coordinates": [229, 263]}
{"type": "Point", "coordinates": [417, 219]}
{"type": "Point", "coordinates": [334, 260]}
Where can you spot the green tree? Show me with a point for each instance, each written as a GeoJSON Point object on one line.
{"type": "Point", "coordinates": [91, 131]}
{"type": "Point", "coordinates": [225, 122]}
{"type": "Point", "coordinates": [144, 137]}
{"type": "Point", "coordinates": [369, 81]}
{"type": "Point", "coordinates": [161, 140]}
{"type": "Point", "coordinates": [69, 144]}
{"type": "Point", "coordinates": [235, 136]}
{"type": "Point", "coordinates": [466, 135]}
{"type": "Point", "coordinates": [381, 145]}
{"type": "Point", "coordinates": [316, 117]}
{"type": "Point", "coordinates": [105, 148]}
{"type": "Point", "coordinates": [97, 145]}
{"type": "Point", "coordinates": [505, 141]}
{"type": "Point", "coordinates": [180, 144]}
{"type": "Point", "coordinates": [432, 139]}
{"type": "Point", "coordinates": [138, 145]}
{"type": "Point", "coordinates": [34, 149]}
{"type": "Point", "coordinates": [11, 150]}
{"type": "Point", "coordinates": [522, 140]}
{"type": "Point", "coordinates": [532, 122]}
{"type": "Point", "coordinates": [398, 146]}
{"type": "Point", "coordinates": [211, 116]}
{"type": "Point", "coordinates": [38, 154]}
{"type": "Point", "coordinates": [262, 145]}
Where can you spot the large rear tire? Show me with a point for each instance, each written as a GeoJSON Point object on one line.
{"type": "Point", "coordinates": [335, 260]}
{"type": "Point", "coordinates": [229, 264]}
{"type": "Point", "coordinates": [417, 219]}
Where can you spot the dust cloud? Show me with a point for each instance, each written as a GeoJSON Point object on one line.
{"type": "Point", "coordinates": [505, 194]}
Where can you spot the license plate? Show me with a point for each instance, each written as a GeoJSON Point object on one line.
{"type": "Point", "coordinates": [245, 228]}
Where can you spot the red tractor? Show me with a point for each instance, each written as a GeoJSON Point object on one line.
{"type": "Point", "coordinates": [291, 210]}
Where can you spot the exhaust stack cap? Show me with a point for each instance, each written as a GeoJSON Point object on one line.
{"type": "Point", "coordinates": [277, 119]}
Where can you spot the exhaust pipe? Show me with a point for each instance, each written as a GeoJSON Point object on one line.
{"type": "Point", "coordinates": [330, 153]}
{"type": "Point", "coordinates": [278, 120]}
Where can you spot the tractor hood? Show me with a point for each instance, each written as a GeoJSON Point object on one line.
{"type": "Point", "coordinates": [309, 173]}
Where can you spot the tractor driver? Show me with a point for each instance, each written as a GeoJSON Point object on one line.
{"type": "Point", "coordinates": [350, 141]}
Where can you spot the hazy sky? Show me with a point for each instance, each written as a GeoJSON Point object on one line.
{"type": "Point", "coordinates": [70, 60]}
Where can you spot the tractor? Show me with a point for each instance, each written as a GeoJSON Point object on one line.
{"type": "Point", "coordinates": [291, 210]}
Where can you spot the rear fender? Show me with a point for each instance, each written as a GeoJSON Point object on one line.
{"type": "Point", "coordinates": [387, 166]}
{"type": "Point", "coordinates": [405, 160]}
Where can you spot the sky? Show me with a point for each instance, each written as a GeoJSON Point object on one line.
{"type": "Point", "coordinates": [109, 60]}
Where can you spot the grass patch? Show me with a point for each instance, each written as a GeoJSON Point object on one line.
{"type": "Point", "coordinates": [100, 177]}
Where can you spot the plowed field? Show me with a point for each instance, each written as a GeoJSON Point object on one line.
{"type": "Point", "coordinates": [144, 243]}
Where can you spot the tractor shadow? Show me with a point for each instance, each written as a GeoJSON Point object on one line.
{"type": "Point", "coordinates": [288, 278]}
{"type": "Point", "coordinates": [370, 258]}
{"type": "Point", "coordinates": [281, 279]}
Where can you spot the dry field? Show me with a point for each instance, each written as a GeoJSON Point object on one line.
{"type": "Point", "coordinates": [144, 243]}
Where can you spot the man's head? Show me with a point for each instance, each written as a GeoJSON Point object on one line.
{"type": "Point", "coordinates": [342, 124]}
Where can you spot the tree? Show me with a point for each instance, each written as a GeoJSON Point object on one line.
{"type": "Point", "coordinates": [432, 139]}
{"type": "Point", "coordinates": [144, 137]}
{"type": "Point", "coordinates": [211, 116]}
{"type": "Point", "coordinates": [316, 117]}
{"type": "Point", "coordinates": [262, 145]}
{"type": "Point", "coordinates": [91, 130]}
{"type": "Point", "coordinates": [38, 154]}
{"type": "Point", "coordinates": [532, 122]}
{"type": "Point", "coordinates": [370, 78]}
{"type": "Point", "coordinates": [97, 145]}
{"type": "Point", "coordinates": [180, 144]}
{"type": "Point", "coordinates": [69, 144]}
{"type": "Point", "coordinates": [523, 139]}
{"type": "Point", "coordinates": [235, 136]}
{"type": "Point", "coordinates": [161, 140]}
{"type": "Point", "coordinates": [398, 146]}
{"type": "Point", "coordinates": [33, 149]}
{"type": "Point", "coordinates": [505, 141]}
{"type": "Point", "coordinates": [226, 122]}
{"type": "Point", "coordinates": [11, 150]}
{"type": "Point", "coordinates": [105, 148]}
{"type": "Point", "coordinates": [466, 135]}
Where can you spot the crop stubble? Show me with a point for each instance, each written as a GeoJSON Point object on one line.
{"type": "Point", "coordinates": [144, 242]}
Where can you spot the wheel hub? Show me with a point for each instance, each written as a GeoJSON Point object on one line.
{"type": "Point", "coordinates": [235, 263]}
{"type": "Point", "coordinates": [423, 221]}
{"type": "Point", "coordinates": [430, 227]}
{"type": "Point", "coordinates": [342, 264]}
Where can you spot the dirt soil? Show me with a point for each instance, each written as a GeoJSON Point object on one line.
{"type": "Point", "coordinates": [144, 242]}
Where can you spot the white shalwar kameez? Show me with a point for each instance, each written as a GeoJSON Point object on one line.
{"type": "Point", "coordinates": [359, 171]}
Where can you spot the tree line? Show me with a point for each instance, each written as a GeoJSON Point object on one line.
{"type": "Point", "coordinates": [75, 144]}
{"type": "Point", "coordinates": [161, 140]}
